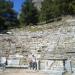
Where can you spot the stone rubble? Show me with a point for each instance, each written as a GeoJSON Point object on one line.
{"type": "Point", "coordinates": [59, 40]}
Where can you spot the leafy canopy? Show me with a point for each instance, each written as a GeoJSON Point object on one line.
{"type": "Point", "coordinates": [8, 17]}
{"type": "Point", "coordinates": [29, 14]}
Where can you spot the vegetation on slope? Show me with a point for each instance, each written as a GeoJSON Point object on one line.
{"type": "Point", "coordinates": [30, 15]}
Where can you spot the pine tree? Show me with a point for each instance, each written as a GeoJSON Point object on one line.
{"type": "Point", "coordinates": [8, 16]}
{"type": "Point", "coordinates": [66, 7]}
{"type": "Point", "coordinates": [50, 9]}
{"type": "Point", "coordinates": [29, 14]}
{"type": "Point", "coordinates": [54, 8]}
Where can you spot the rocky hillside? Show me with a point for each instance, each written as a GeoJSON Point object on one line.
{"type": "Point", "coordinates": [57, 37]}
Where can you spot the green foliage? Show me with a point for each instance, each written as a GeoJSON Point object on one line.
{"type": "Point", "coordinates": [46, 10]}
{"type": "Point", "coordinates": [8, 17]}
{"type": "Point", "coordinates": [50, 9]}
{"type": "Point", "coordinates": [54, 8]}
{"type": "Point", "coordinates": [73, 6]}
{"type": "Point", "coordinates": [29, 14]}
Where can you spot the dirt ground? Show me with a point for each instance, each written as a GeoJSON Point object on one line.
{"type": "Point", "coordinates": [20, 72]}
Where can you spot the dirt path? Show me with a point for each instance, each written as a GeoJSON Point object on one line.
{"type": "Point", "coordinates": [21, 72]}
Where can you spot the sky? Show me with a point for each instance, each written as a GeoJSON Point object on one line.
{"type": "Point", "coordinates": [17, 4]}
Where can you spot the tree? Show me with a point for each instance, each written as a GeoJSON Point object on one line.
{"type": "Point", "coordinates": [73, 7]}
{"type": "Point", "coordinates": [50, 9]}
{"type": "Point", "coordinates": [8, 16]}
{"type": "Point", "coordinates": [46, 13]}
{"type": "Point", "coordinates": [29, 14]}
{"type": "Point", "coordinates": [54, 8]}
{"type": "Point", "coordinates": [66, 7]}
